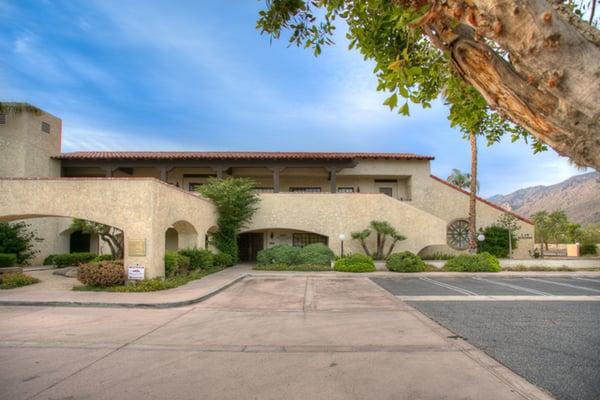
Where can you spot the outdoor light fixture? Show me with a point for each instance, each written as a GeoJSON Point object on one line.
{"type": "Point", "coordinates": [481, 237]}
{"type": "Point", "coordinates": [342, 238]}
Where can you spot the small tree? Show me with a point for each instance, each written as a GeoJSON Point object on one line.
{"type": "Point", "coordinates": [384, 231]}
{"type": "Point", "coordinates": [542, 229]}
{"type": "Point", "coordinates": [509, 222]}
{"type": "Point", "coordinates": [236, 201]}
{"type": "Point", "coordinates": [17, 238]}
{"type": "Point", "coordinates": [497, 239]}
{"type": "Point", "coordinates": [113, 237]}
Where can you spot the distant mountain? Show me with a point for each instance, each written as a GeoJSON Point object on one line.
{"type": "Point", "coordinates": [578, 196]}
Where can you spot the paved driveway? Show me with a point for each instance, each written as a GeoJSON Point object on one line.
{"type": "Point", "coordinates": [268, 337]}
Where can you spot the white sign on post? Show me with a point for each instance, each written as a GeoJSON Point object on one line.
{"type": "Point", "coordinates": [135, 273]}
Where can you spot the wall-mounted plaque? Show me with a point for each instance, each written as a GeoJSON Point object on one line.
{"type": "Point", "coordinates": [136, 247]}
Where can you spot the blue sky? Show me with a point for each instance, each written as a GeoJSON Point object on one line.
{"type": "Point", "coordinates": [197, 75]}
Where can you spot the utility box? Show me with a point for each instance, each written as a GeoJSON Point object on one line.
{"type": "Point", "coordinates": [573, 250]}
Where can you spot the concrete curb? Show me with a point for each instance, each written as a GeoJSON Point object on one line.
{"type": "Point", "coordinates": [23, 303]}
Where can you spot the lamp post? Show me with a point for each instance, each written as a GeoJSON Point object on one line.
{"type": "Point", "coordinates": [342, 238]}
{"type": "Point", "coordinates": [481, 237]}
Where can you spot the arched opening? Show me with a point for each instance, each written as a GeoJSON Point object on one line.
{"type": "Point", "coordinates": [207, 238]}
{"type": "Point", "coordinates": [181, 235]}
{"type": "Point", "coordinates": [251, 242]}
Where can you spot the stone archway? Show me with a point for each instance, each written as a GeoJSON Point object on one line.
{"type": "Point", "coordinates": [181, 235]}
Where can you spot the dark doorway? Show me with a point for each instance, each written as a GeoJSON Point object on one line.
{"type": "Point", "coordinates": [80, 242]}
{"type": "Point", "coordinates": [249, 244]}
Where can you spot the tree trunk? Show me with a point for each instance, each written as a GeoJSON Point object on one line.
{"type": "Point", "coordinates": [549, 82]}
{"type": "Point", "coordinates": [391, 248]}
{"type": "Point", "coordinates": [473, 195]}
{"type": "Point", "coordinates": [363, 243]}
{"type": "Point", "coordinates": [378, 251]}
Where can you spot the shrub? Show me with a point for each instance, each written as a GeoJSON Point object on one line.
{"type": "Point", "coordinates": [49, 260]}
{"type": "Point", "coordinates": [16, 238]}
{"type": "Point", "coordinates": [15, 280]}
{"type": "Point", "coordinates": [7, 260]}
{"type": "Point", "coordinates": [480, 262]}
{"type": "Point", "coordinates": [175, 263]}
{"type": "Point", "coordinates": [223, 260]}
{"type": "Point", "coordinates": [355, 263]}
{"type": "Point", "coordinates": [103, 257]}
{"type": "Point", "coordinates": [298, 267]}
{"type": "Point", "coordinates": [101, 274]}
{"type": "Point", "coordinates": [316, 253]}
{"type": "Point", "coordinates": [280, 254]}
{"type": "Point", "coordinates": [73, 259]}
{"type": "Point", "coordinates": [588, 249]}
{"type": "Point", "coordinates": [438, 256]}
{"type": "Point", "coordinates": [405, 262]}
{"type": "Point", "coordinates": [496, 241]}
{"type": "Point", "coordinates": [199, 258]}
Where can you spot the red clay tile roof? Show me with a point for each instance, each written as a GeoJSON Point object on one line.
{"type": "Point", "coordinates": [489, 203]}
{"type": "Point", "coordinates": [233, 155]}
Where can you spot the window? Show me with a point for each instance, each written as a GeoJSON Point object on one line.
{"type": "Point", "coordinates": [457, 234]}
{"type": "Point", "coordinates": [45, 127]}
{"type": "Point", "coordinates": [2, 119]}
{"type": "Point", "coordinates": [305, 189]}
{"type": "Point", "coordinates": [345, 189]}
{"type": "Point", "coordinates": [388, 191]}
{"type": "Point", "coordinates": [264, 189]}
{"type": "Point", "coordinates": [193, 187]}
{"type": "Point", "coordinates": [303, 239]}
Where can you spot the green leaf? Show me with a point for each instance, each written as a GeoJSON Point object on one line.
{"type": "Point", "coordinates": [391, 101]}
{"type": "Point", "coordinates": [404, 110]}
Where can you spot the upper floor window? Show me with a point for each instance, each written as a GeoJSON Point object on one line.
{"type": "Point", "coordinates": [305, 189]}
{"type": "Point", "coordinates": [45, 127]}
{"type": "Point", "coordinates": [345, 189]}
{"type": "Point", "coordinates": [193, 187]}
{"type": "Point", "coordinates": [388, 191]}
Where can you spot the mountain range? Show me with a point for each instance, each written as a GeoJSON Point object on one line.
{"type": "Point", "coordinates": [578, 196]}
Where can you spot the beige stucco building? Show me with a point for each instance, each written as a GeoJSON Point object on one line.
{"type": "Point", "coordinates": [150, 196]}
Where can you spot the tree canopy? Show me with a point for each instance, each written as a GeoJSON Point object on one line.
{"type": "Point", "coordinates": [511, 67]}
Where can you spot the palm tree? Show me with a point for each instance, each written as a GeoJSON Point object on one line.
{"type": "Point", "coordinates": [462, 180]}
{"type": "Point", "coordinates": [474, 187]}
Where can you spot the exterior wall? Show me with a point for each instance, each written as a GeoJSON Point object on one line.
{"type": "Point", "coordinates": [331, 214]}
{"type": "Point", "coordinates": [450, 204]}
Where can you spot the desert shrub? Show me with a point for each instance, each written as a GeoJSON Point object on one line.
{"type": "Point", "coordinates": [223, 260]}
{"type": "Point", "coordinates": [280, 254]}
{"type": "Point", "coordinates": [16, 238]}
{"type": "Point", "coordinates": [199, 258]}
{"type": "Point", "coordinates": [175, 263]}
{"type": "Point", "coordinates": [316, 253]}
{"type": "Point", "coordinates": [7, 260]}
{"type": "Point", "coordinates": [496, 241]}
{"type": "Point", "coordinates": [480, 262]}
{"type": "Point", "coordinates": [103, 257]}
{"type": "Point", "coordinates": [15, 280]}
{"type": "Point", "coordinates": [405, 262]}
{"type": "Point", "coordinates": [297, 267]}
{"type": "Point", "coordinates": [72, 259]}
{"type": "Point", "coordinates": [355, 263]}
{"type": "Point", "coordinates": [101, 274]}
{"type": "Point", "coordinates": [588, 249]}
{"type": "Point", "coordinates": [49, 260]}
{"type": "Point", "coordinates": [438, 256]}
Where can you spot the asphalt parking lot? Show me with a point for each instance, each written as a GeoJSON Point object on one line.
{"type": "Point", "coordinates": [524, 324]}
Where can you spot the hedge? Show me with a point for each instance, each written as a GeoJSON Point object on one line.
{"type": "Point", "coordinates": [405, 262]}
{"type": "Point", "coordinates": [101, 274]}
{"type": "Point", "coordinates": [297, 267]}
{"type": "Point", "coordinates": [15, 280]}
{"type": "Point", "coordinates": [223, 260]}
{"type": "Point", "coordinates": [355, 263]}
{"type": "Point", "coordinates": [315, 254]}
{"type": "Point", "coordinates": [199, 258]}
{"type": "Point", "coordinates": [480, 262]}
{"type": "Point", "coordinates": [588, 249]}
{"type": "Point", "coordinates": [7, 260]}
{"type": "Point", "coordinates": [175, 263]}
{"type": "Point", "coordinates": [72, 259]}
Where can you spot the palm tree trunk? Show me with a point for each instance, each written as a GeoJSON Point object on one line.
{"type": "Point", "coordinates": [363, 243]}
{"type": "Point", "coordinates": [472, 195]}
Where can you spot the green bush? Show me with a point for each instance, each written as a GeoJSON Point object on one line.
{"type": "Point", "coordinates": [297, 267]}
{"type": "Point", "coordinates": [480, 262]}
{"type": "Point", "coordinates": [438, 256]}
{"type": "Point", "coordinates": [15, 280]}
{"type": "Point", "coordinates": [103, 257]}
{"type": "Point", "coordinates": [7, 260]}
{"type": "Point", "coordinates": [101, 274]}
{"type": "Point", "coordinates": [17, 238]}
{"type": "Point", "coordinates": [72, 259]}
{"type": "Point", "coordinates": [175, 263]}
{"type": "Point", "coordinates": [199, 258]}
{"type": "Point", "coordinates": [496, 241]}
{"type": "Point", "coordinates": [49, 260]}
{"type": "Point", "coordinates": [588, 249]}
{"type": "Point", "coordinates": [405, 262]}
{"type": "Point", "coordinates": [316, 253]}
{"type": "Point", "coordinates": [355, 263]}
{"type": "Point", "coordinates": [223, 260]}
{"type": "Point", "coordinates": [280, 254]}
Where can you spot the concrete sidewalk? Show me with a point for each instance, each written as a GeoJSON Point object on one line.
{"type": "Point", "coordinates": [57, 292]}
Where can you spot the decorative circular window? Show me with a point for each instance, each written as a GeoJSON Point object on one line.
{"type": "Point", "coordinates": [457, 235]}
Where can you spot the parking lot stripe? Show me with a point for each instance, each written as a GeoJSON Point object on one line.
{"type": "Point", "coordinates": [564, 284]}
{"type": "Point", "coordinates": [448, 286]}
{"type": "Point", "coordinates": [586, 279]}
{"type": "Point", "coordinates": [538, 292]}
